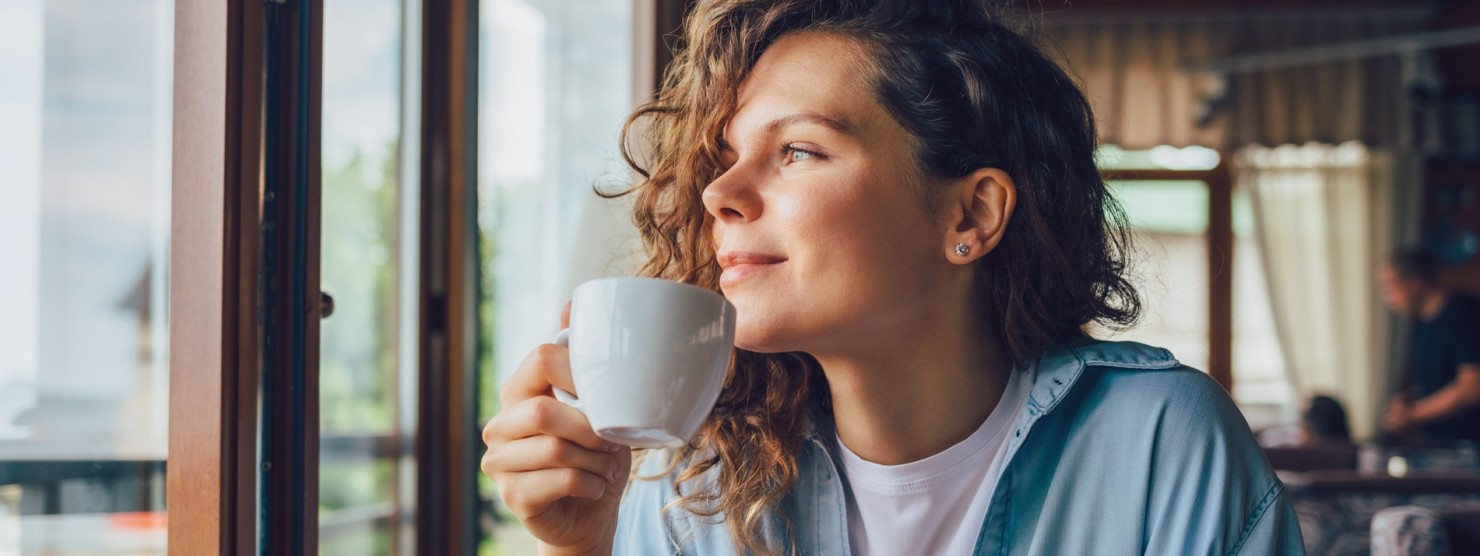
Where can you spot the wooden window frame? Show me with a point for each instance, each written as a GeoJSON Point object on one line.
{"type": "Point", "coordinates": [234, 93]}
{"type": "Point", "coordinates": [213, 262]}
{"type": "Point", "coordinates": [448, 440]}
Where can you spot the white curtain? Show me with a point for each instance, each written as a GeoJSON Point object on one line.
{"type": "Point", "coordinates": [1323, 216]}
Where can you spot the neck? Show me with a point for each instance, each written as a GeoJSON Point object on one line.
{"type": "Point", "coordinates": [913, 393]}
{"type": "Point", "coordinates": [1433, 305]}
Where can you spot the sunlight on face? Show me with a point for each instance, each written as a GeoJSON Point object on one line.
{"type": "Point", "coordinates": [821, 221]}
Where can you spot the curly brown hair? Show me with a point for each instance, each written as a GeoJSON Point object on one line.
{"type": "Point", "coordinates": [974, 92]}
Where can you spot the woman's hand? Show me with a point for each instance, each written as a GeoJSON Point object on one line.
{"type": "Point", "coordinates": [561, 480]}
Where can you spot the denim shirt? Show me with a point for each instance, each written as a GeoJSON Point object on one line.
{"type": "Point", "coordinates": [1119, 450]}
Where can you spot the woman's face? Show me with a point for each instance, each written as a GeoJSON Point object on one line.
{"type": "Point", "coordinates": [821, 221]}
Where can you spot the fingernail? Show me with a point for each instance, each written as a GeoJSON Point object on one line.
{"type": "Point", "coordinates": [611, 447]}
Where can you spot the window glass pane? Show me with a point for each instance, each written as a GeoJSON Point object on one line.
{"type": "Point", "coordinates": [358, 542]}
{"type": "Point", "coordinates": [85, 103]}
{"type": "Point", "coordinates": [366, 470]}
{"type": "Point", "coordinates": [1169, 223]}
{"type": "Point", "coordinates": [361, 128]}
{"type": "Point", "coordinates": [1177, 207]}
{"type": "Point", "coordinates": [555, 85]}
{"type": "Point", "coordinates": [1111, 157]}
{"type": "Point", "coordinates": [355, 484]}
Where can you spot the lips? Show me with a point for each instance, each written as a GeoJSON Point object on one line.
{"type": "Point", "coordinates": [739, 265]}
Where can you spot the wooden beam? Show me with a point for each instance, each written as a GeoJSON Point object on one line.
{"type": "Point", "coordinates": [656, 25]}
{"type": "Point", "coordinates": [1220, 272]}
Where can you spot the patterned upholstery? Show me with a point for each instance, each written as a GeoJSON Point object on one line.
{"type": "Point", "coordinates": [1336, 508]}
{"type": "Point", "coordinates": [1409, 531]}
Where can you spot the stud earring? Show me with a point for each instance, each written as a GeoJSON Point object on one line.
{"type": "Point", "coordinates": [962, 249]}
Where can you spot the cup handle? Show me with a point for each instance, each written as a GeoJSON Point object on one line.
{"type": "Point", "coordinates": [563, 339]}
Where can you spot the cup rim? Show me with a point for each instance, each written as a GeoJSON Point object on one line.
{"type": "Point", "coordinates": [646, 279]}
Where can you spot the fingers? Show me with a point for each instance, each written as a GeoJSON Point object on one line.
{"type": "Point", "coordinates": [529, 494]}
{"type": "Point", "coordinates": [547, 452]}
{"type": "Point", "coordinates": [547, 365]}
{"type": "Point", "coordinates": [544, 415]}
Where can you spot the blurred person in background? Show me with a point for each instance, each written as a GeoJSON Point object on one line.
{"type": "Point", "coordinates": [1322, 423]}
{"type": "Point", "coordinates": [1440, 397]}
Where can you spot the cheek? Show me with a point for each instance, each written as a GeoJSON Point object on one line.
{"type": "Point", "coordinates": [855, 255]}
{"type": "Point", "coordinates": [861, 246]}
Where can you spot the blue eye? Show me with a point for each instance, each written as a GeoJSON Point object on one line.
{"type": "Point", "coordinates": [794, 155]}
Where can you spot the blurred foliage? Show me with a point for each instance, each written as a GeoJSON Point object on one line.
{"type": "Point", "coordinates": [355, 484]}
{"type": "Point", "coordinates": [364, 542]}
{"type": "Point", "coordinates": [357, 347]}
{"type": "Point", "coordinates": [357, 361]}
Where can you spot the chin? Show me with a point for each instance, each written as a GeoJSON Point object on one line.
{"type": "Point", "coordinates": [762, 334]}
{"type": "Point", "coordinates": [758, 341]}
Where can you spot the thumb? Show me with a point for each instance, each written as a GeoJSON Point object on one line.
{"type": "Point", "coordinates": [565, 316]}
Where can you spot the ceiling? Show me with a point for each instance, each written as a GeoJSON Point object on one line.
{"type": "Point", "coordinates": [1457, 65]}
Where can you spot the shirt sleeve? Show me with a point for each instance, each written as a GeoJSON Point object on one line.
{"type": "Point", "coordinates": [1213, 491]}
{"type": "Point", "coordinates": [1275, 530]}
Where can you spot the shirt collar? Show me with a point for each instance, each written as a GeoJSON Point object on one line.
{"type": "Point", "coordinates": [1053, 375]}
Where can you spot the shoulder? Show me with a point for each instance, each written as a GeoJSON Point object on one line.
{"type": "Point", "coordinates": [1127, 380]}
{"type": "Point", "coordinates": [1136, 407]}
{"type": "Point", "coordinates": [1179, 391]}
{"type": "Point", "coordinates": [1134, 377]}
{"type": "Point", "coordinates": [1138, 402]}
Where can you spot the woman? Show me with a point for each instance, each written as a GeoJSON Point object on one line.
{"type": "Point", "coordinates": [900, 199]}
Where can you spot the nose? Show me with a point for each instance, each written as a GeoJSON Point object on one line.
{"type": "Point", "coordinates": [733, 196]}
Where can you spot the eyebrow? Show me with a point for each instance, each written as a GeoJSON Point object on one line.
{"type": "Point", "coordinates": [809, 117]}
{"type": "Point", "coordinates": [801, 117]}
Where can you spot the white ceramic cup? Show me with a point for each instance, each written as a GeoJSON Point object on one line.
{"type": "Point", "coordinates": [648, 358]}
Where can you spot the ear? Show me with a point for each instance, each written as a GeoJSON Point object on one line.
{"type": "Point", "coordinates": [982, 205]}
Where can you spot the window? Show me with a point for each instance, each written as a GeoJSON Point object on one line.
{"type": "Point", "coordinates": [84, 242]}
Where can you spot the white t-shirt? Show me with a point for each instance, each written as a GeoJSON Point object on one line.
{"type": "Point", "coordinates": [935, 505]}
